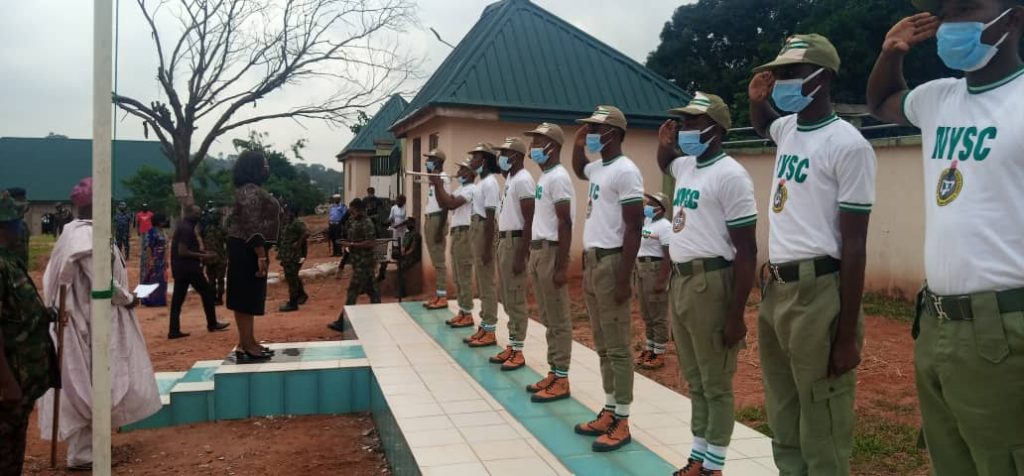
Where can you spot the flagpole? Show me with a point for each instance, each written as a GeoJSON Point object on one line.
{"type": "Point", "coordinates": [102, 117]}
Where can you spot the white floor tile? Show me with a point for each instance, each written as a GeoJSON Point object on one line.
{"type": "Point", "coordinates": [519, 467]}
{"type": "Point", "coordinates": [433, 437]}
{"type": "Point", "coordinates": [490, 433]}
{"type": "Point", "coordinates": [747, 467]}
{"type": "Point", "coordinates": [444, 455]}
{"type": "Point", "coordinates": [465, 420]}
{"type": "Point", "coordinates": [417, 410]}
{"type": "Point", "coordinates": [461, 469]}
{"type": "Point", "coordinates": [439, 422]}
{"type": "Point", "coordinates": [470, 406]}
{"type": "Point", "coordinates": [752, 448]}
{"type": "Point", "coordinates": [489, 451]}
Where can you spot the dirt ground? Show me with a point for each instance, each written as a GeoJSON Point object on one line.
{"type": "Point", "coordinates": [885, 395]}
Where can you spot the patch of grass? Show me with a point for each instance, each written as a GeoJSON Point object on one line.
{"type": "Point", "coordinates": [39, 246]}
{"type": "Point", "coordinates": [892, 307]}
{"type": "Point", "coordinates": [881, 442]}
{"type": "Point", "coordinates": [756, 418]}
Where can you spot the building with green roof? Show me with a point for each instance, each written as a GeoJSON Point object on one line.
{"type": "Point", "coordinates": [373, 157]}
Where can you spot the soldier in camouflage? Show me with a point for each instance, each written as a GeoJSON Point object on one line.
{"type": "Point", "coordinates": [361, 240]}
{"type": "Point", "coordinates": [21, 204]}
{"type": "Point", "coordinates": [213, 232]}
{"type": "Point", "coordinates": [27, 358]}
{"type": "Point", "coordinates": [123, 228]}
{"type": "Point", "coordinates": [291, 251]}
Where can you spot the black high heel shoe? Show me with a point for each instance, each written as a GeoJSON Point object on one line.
{"type": "Point", "coordinates": [244, 357]}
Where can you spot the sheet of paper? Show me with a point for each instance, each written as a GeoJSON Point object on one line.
{"type": "Point", "coordinates": [144, 290]}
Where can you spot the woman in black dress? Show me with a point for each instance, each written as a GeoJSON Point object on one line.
{"type": "Point", "coordinates": [252, 229]}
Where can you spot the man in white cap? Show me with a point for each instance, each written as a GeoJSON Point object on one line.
{"type": "Point", "coordinates": [551, 239]}
{"type": "Point", "coordinates": [515, 224]}
{"type": "Point", "coordinates": [611, 240]}
{"type": "Point", "coordinates": [460, 202]}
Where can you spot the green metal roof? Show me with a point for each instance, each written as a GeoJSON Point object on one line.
{"type": "Point", "coordinates": [377, 128]}
{"type": "Point", "coordinates": [534, 66]}
{"type": "Point", "coordinates": [48, 168]}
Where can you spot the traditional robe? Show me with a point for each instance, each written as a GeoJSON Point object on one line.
{"type": "Point", "coordinates": [134, 393]}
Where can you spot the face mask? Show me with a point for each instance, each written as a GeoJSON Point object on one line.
{"type": "Point", "coordinates": [463, 180]}
{"type": "Point", "coordinates": [594, 144]}
{"type": "Point", "coordinates": [480, 170]}
{"type": "Point", "coordinates": [690, 143]}
{"type": "Point", "coordinates": [538, 155]}
{"type": "Point", "coordinates": [960, 45]}
{"type": "Point", "coordinates": [504, 163]}
{"type": "Point", "coordinates": [431, 166]}
{"type": "Point", "coordinates": [789, 93]}
{"type": "Point", "coordinates": [648, 211]}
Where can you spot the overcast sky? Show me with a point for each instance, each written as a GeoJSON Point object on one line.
{"type": "Point", "coordinates": [46, 62]}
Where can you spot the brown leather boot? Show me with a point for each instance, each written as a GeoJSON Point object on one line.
{"type": "Point", "coordinates": [486, 340]}
{"type": "Point", "coordinates": [710, 472]}
{"type": "Point", "coordinates": [598, 426]}
{"type": "Point", "coordinates": [542, 384]}
{"type": "Point", "coordinates": [640, 359]}
{"type": "Point", "coordinates": [557, 390]}
{"type": "Point", "coordinates": [439, 302]}
{"type": "Point", "coordinates": [692, 468]}
{"type": "Point", "coordinates": [515, 361]}
{"type": "Point", "coordinates": [653, 362]}
{"type": "Point", "coordinates": [616, 437]}
{"type": "Point", "coordinates": [463, 320]}
{"type": "Point", "coordinates": [502, 356]}
{"type": "Point", "coordinates": [476, 335]}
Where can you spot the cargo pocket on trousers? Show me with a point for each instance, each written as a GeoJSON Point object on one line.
{"type": "Point", "coordinates": [729, 355]}
{"type": "Point", "coordinates": [837, 396]}
{"type": "Point", "coordinates": [989, 335]}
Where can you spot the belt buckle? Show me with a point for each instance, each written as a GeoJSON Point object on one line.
{"type": "Point", "coordinates": [940, 311]}
{"type": "Point", "coordinates": [773, 271]}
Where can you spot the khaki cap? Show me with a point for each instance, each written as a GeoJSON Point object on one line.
{"type": "Point", "coordinates": [467, 163]}
{"type": "Point", "coordinates": [705, 103]}
{"type": "Point", "coordinates": [436, 153]}
{"type": "Point", "coordinates": [549, 130]}
{"type": "Point", "coordinates": [805, 49]}
{"type": "Point", "coordinates": [514, 144]}
{"type": "Point", "coordinates": [610, 115]}
{"type": "Point", "coordinates": [662, 199]}
{"type": "Point", "coordinates": [484, 147]}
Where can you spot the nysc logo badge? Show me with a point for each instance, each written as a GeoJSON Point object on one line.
{"type": "Point", "coordinates": [780, 197]}
{"type": "Point", "coordinates": [679, 221]}
{"type": "Point", "coordinates": [951, 182]}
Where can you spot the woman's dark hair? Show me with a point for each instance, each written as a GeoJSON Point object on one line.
{"type": "Point", "coordinates": [249, 168]}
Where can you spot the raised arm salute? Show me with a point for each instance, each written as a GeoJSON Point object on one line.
{"type": "Point", "coordinates": [968, 355]}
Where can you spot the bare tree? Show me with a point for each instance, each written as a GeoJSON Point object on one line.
{"type": "Point", "coordinates": [229, 54]}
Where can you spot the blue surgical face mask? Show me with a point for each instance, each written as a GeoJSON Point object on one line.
{"type": "Point", "coordinates": [431, 166]}
{"type": "Point", "coordinates": [538, 155]}
{"type": "Point", "coordinates": [648, 211]}
{"type": "Point", "coordinates": [505, 163]}
{"type": "Point", "coordinates": [960, 45]}
{"type": "Point", "coordinates": [690, 143]}
{"type": "Point", "coordinates": [480, 170]}
{"type": "Point", "coordinates": [463, 180]}
{"type": "Point", "coordinates": [788, 94]}
{"type": "Point", "coordinates": [594, 144]}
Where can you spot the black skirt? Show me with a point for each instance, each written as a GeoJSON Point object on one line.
{"type": "Point", "coordinates": [246, 292]}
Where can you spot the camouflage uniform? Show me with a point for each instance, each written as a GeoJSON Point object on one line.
{"type": "Point", "coordinates": [363, 260]}
{"type": "Point", "coordinates": [290, 250]}
{"type": "Point", "coordinates": [411, 240]}
{"type": "Point", "coordinates": [24, 322]}
{"type": "Point", "coordinates": [122, 231]}
{"type": "Point", "coordinates": [215, 239]}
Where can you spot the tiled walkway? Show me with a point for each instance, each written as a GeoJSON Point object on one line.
{"type": "Point", "coordinates": [461, 415]}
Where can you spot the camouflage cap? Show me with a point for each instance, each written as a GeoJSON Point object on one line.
{"type": "Point", "coordinates": [705, 103]}
{"type": "Point", "coordinates": [610, 115]}
{"type": "Point", "coordinates": [8, 208]}
{"type": "Point", "coordinates": [805, 49]}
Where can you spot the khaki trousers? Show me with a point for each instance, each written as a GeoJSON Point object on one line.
{"type": "Point", "coordinates": [431, 226]}
{"type": "Point", "coordinates": [462, 268]}
{"type": "Point", "coordinates": [610, 323]}
{"type": "Point", "coordinates": [653, 306]}
{"type": "Point", "coordinates": [513, 290]}
{"type": "Point", "coordinates": [485, 274]}
{"type": "Point", "coordinates": [553, 305]}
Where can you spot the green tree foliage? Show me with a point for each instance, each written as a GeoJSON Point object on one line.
{"type": "Point", "coordinates": [712, 45]}
{"type": "Point", "coordinates": [153, 187]}
{"type": "Point", "coordinates": [286, 181]}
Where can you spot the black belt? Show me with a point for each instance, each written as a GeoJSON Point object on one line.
{"type": "Point", "coordinates": [477, 218]}
{"type": "Point", "coordinates": [790, 272]}
{"type": "Point", "coordinates": [649, 259]}
{"type": "Point", "coordinates": [510, 234]}
{"type": "Point", "coordinates": [436, 214]}
{"type": "Point", "coordinates": [540, 244]}
{"type": "Point", "coordinates": [602, 253]}
{"type": "Point", "coordinates": [958, 308]}
{"type": "Point", "coordinates": [456, 229]}
{"type": "Point", "coordinates": [710, 264]}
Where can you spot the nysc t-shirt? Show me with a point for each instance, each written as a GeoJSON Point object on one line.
{"type": "Point", "coordinates": [461, 216]}
{"type": "Point", "coordinates": [655, 235]}
{"type": "Point", "coordinates": [517, 188]}
{"type": "Point", "coordinates": [432, 206]}
{"type": "Point", "coordinates": [820, 169]}
{"type": "Point", "coordinates": [554, 187]}
{"type": "Point", "coordinates": [487, 197]}
{"type": "Point", "coordinates": [973, 148]}
{"type": "Point", "coordinates": [613, 183]}
{"type": "Point", "coordinates": [710, 198]}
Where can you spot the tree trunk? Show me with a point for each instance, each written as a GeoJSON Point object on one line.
{"type": "Point", "coordinates": [183, 175]}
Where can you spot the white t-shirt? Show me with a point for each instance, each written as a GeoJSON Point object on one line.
{"type": "Point", "coordinates": [820, 169]}
{"type": "Point", "coordinates": [488, 196]}
{"type": "Point", "coordinates": [973, 147]}
{"type": "Point", "coordinates": [654, 236]}
{"type": "Point", "coordinates": [432, 206]}
{"type": "Point", "coordinates": [709, 198]}
{"type": "Point", "coordinates": [517, 188]}
{"type": "Point", "coordinates": [612, 184]}
{"type": "Point", "coordinates": [554, 187]}
{"type": "Point", "coordinates": [461, 216]}
{"type": "Point", "coordinates": [397, 216]}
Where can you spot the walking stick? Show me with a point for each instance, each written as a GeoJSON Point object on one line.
{"type": "Point", "coordinates": [62, 319]}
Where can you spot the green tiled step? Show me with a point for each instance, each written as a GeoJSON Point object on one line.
{"type": "Point", "coordinates": [551, 423]}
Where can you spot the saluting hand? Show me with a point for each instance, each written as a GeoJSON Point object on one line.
{"type": "Point", "coordinates": [760, 87]}
{"type": "Point", "coordinates": [580, 140]}
{"type": "Point", "coordinates": [668, 133]}
{"type": "Point", "coordinates": [910, 31]}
